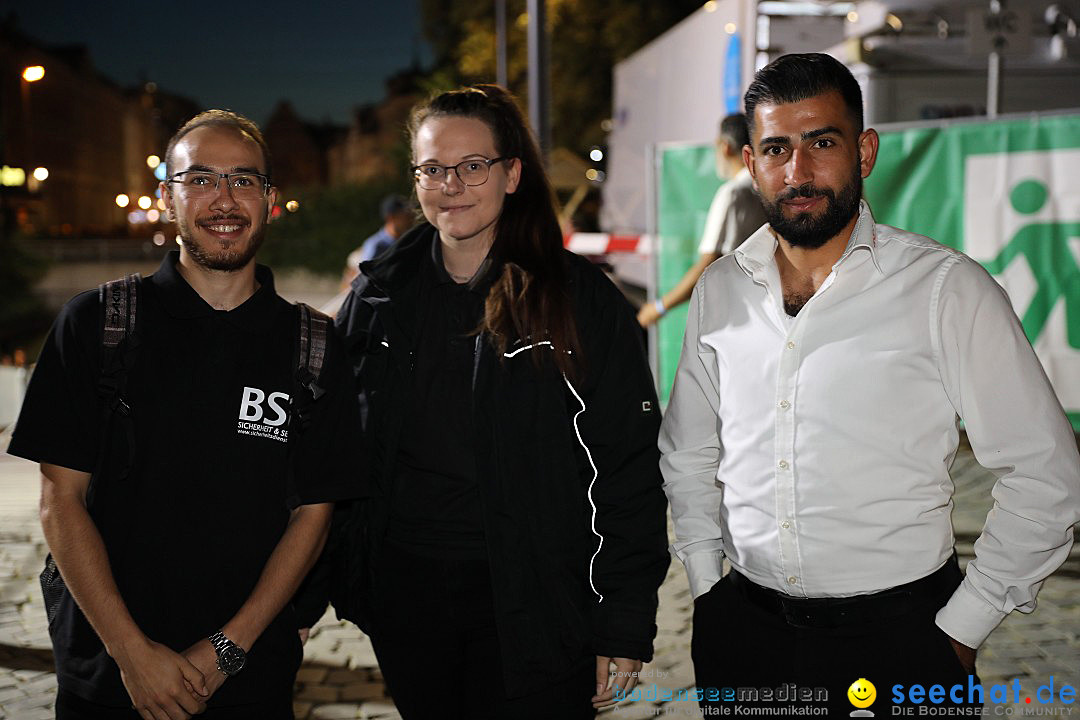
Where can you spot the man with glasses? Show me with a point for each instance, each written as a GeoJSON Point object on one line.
{"type": "Point", "coordinates": [208, 503]}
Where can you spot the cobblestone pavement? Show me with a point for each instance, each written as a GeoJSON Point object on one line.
{"type": "Point", "coordinates": [340, 678]}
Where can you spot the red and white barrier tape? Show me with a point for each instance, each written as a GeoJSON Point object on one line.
{"type": "Point", "coordinates": [604, 243]}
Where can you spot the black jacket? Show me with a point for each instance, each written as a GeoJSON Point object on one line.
{"type": "Point", "coordinates": [560, 590]}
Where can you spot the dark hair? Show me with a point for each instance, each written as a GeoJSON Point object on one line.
{"type": "Point", "coordinates": [394, 204]}
{"type": "Point", "coordinates": [528, 300]}
{"type": "Point", "coordinates": [733, 130]}
{"type": "Point", "coordinates": [795, 77]}
{"type": "Point", "coordinates": [222, 119]}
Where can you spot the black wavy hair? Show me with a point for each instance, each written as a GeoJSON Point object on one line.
{"type": "Point", "coordinates": [800, 76]}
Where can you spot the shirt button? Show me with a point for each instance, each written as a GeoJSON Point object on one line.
{"type": "Point", "coordinates": [785, 404]}
{"type": "Point", "coordinates": [783, 465]}
{"type": "Point", "coordinates": [790, 345]}
{"type": "Point", "coordinates": [785, 524]}
{"type": "Point", "coordinates": [793, 580]}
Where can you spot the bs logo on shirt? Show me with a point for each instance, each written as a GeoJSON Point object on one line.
{"type": "Point", "coordinates": [256, 421]}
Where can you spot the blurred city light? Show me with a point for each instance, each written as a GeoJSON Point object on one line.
{"type": "Point", "coordinates": [33, 73]}
{"type": "Point", "coordinates": [894, 22]}
{"type": "Point", "coordinates": [122, 200]}
{"type": "Point", "coordinates": [160, 204]}
{"type": "Point", "coordinates": [136, 216]}
{"type": "Point", "coordinates": [145, 202]}
{"type": "Point", "coordinates": [152, 161]}
{"type": "Point", "coordinates": [12, 176]}
{"type": "Point", "coordinates": [710, 6]}
{"type": "Point", "coordinates": [730, 28]}
{"type": "Point", "coordinates": [159, 172]}
{"type": "Point", "coordinates": [292, 206]}
{"type": "Point", "coordinates": [41, 174]}
{"type": "Point", "coordinates": [179, 241]}
{"type": "Point", "coordinates": [159, 238]}
{"type": "Point", "coordinates": [153, 215]}
{"type": "Point", "coordinates": [592, 174]}
{"type": "Point", "coordinates": [596, 154]}
{"type": "Point", "coordinates": [853, 17]}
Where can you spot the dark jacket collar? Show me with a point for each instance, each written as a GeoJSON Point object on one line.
{"type": "Point", "coordinates": [393, 270]}
{"type": "Point", "coordinates": [181, 301]}
{"type": "Point", "coordinates": [396, 268]}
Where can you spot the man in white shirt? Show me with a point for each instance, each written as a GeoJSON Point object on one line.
{"type": "Point", "coordinates": [814, 418]}
{"type": "Point", "coordinates": [734, 214]}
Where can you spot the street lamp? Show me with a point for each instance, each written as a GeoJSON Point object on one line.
{"type": "Point", "coordinates": [33, 73]}
{"type": "Point", "coordinates": [33, 183]}
{"type": "Point", "coordinates": [30, 74]}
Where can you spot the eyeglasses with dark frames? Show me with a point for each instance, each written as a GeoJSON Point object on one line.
{"type": "Point", "coordinates": [470, 172]}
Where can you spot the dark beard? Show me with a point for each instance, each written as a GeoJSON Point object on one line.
{"type": "Point", "coordinates": [226, 260]}
{"type": "Point", "coordinates": [806, 231]}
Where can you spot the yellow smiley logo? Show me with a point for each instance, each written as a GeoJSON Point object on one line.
{"type": "Point", "coordinates": [862, 693]}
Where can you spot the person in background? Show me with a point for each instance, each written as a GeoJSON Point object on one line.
{"type": "Point", "coordinates": [398, 216]}
{"type": "Point", "coordinates": [735, 213]}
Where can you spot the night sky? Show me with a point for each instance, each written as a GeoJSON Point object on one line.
{"type": "Point", "coordinates": [325, 57]}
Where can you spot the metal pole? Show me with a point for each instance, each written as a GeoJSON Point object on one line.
{"type": "Point", "coordinates": [993, 84]}
{"type": "Point", "coordinates": [500, 42]}
{"type": "Point", "coordinates": [539, 85]}
{"type": "Point", "coordinates": [993, 70]}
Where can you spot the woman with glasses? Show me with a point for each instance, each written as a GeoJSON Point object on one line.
{"type": "Point", "coordinates": [506, 557]}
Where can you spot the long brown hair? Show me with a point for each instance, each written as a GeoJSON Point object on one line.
{"type": "Point", "coordinates": [528, 300]}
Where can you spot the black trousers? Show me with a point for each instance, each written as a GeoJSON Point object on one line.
{"type": "Point", "coordinates": [72, 707]}
{"type": "Point", "coordinates": [435, 637]}
{"type": "Point", "coordinates": [740, 643]}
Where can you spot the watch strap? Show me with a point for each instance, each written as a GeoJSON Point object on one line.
{"type": "Point", "coordinates": [222, 644]}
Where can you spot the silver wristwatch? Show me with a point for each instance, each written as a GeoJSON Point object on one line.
{"type": "Point", "coordinates": [230, 656]}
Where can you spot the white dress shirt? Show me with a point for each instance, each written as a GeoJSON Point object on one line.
{"type": "Point", "coordinates": [814, 451]}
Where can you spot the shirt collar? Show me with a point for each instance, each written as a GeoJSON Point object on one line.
{"type": "Point", "coordinates": [759, 250]}
{"type": "Point", "coordinates": [864, 235]}
{"type": "Point", "coordinates": [181, 300]}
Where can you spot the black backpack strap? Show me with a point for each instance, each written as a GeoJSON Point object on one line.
{"type": "Point", "coordinates": [311, 346]}
{"type": "Point", "coordinates": [119, 300]}
{"type": "Point", "coordinates": [313, 328]}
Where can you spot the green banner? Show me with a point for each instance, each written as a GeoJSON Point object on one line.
{"type": "Point", "coordinates": [688, 182]}
{"type": "Point", "coordinates": [1005, 192]}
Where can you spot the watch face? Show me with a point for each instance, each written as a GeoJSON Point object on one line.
{"type": "Point", "coordinates": [231, 659]}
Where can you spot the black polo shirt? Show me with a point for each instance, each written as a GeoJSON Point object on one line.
{"type": "Point", "coordinates": [435, 502]}
{"type": "Point", "coordinates": [190, 529]}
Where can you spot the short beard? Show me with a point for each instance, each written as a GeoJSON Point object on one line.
{"type": "Point", "coordinates": [226, 260]}
{"type": "Point", "coordinates": [806, 231]}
